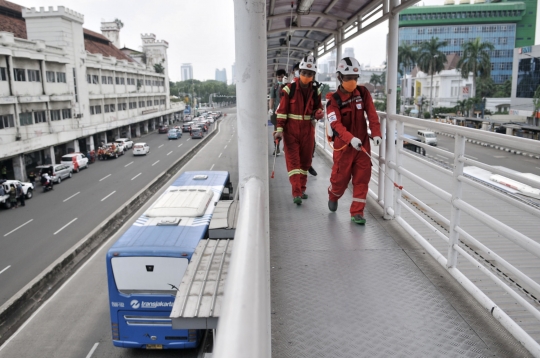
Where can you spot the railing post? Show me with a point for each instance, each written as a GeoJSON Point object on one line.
{"type": "Point", "coordinates": [456, 195]}
{"type": "Point", "coordinates": [399, 160]}
{"type": "Point", "coordinates": [382, 166]}
{"type": "Point", "coordinates": [391, 90]}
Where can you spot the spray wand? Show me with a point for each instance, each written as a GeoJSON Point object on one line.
{"type": "Point", "coordinates": [400, 187]}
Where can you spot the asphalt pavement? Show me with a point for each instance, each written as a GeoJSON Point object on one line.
{"type": "Point", "coordinates": [75, 321]}
{"type": "Point", "coordinates": [482, 154]}
{"type": "Point", "coordinates": [34, 236]}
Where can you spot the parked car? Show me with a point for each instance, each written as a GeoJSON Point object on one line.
{"type": "Point", "coordinates": [197, 132]}
{"type": "Point", "coordinates": [141, 149]}
{"type": "Point", "coordinates": [28, 188]}
{"type": "Point", "coordinates": [57, 172]}
{"type": "Point", "coordinates": [124, 142]}
{"type": "Point", "coordinates": [112, 150]}
{"type": "Point", "coordinates": [163, 129]}
{"type": "Point", "coordinates": [79, 158]}
{"type": "Point", "coordinates": [428, 137]}
{"type": "Point", "coordinates": [186, 127]}
{"type": "Point", "coordinates": [174, 134]}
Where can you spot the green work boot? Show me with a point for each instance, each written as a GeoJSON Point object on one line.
{"type": "Point", "coordinates": [297, 200]}
{"type": "Point", "coordinates": [332, 205]}
{"type": "Point", "coordinates": [304, 195]}
{"type": "Point", "coordinates": [358, 219]}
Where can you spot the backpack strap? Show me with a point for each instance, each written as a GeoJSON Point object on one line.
{"type": "Point", "coordinates": [292, 90]}
{"type": "Point", "coordinates": [315, 94]}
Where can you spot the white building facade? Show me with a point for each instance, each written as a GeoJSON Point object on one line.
{"type": "Point", "coordinates": [68, 92]}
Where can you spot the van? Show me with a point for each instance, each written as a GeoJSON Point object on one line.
{"type": "Point", "coordinates": [58, 172]}
{"type": "Point", "coordinates": [79, 158]}
{"type": "Point", "coordinates": [428, 137]}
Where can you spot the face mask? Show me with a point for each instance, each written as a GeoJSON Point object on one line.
{"type": "Point", "coordinates": [280, 82]}
{"type": "Point", "coordinates": [297, 73]}
{"type": "Point", "coordinates": [349, 86]}
{"type": "Point", "coordinates": [305, 80]}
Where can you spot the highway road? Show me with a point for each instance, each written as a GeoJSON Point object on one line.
{"type": "Point", "coordinates": [75, 322]}
{"type": "Point", "coordinates": [486, 155]}
{"type": "Point", "coordinates": [34, 236]}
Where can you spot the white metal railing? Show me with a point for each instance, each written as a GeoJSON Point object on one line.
{"type": "Point", "coordinates": [458, 238]}
{"type": "Point", "coordinates": [244, 326]}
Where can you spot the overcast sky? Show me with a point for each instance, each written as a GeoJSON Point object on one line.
{"type": "Point", "coordinates": [199, 32]}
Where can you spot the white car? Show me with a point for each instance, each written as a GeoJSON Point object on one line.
{"type": "Point", "coordinates": [82, 161]}
{"type": "Point", "coordinates": [141, 149]}
{"type": "Point", "coordinates": [28, 188]}
{"type": "Point", "coordinates": [125, 142]}
{"type": "Point", "coordinates": [119, 146]}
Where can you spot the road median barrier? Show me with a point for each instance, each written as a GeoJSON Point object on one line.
{"type": "Point", "coordinates": [27, 300]}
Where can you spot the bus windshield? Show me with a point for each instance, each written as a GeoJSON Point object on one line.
{"type": "Point", "coordinates": [148, 274]}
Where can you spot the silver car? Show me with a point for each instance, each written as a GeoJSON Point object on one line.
{"type": "Point", "coordinates": [58, 172]}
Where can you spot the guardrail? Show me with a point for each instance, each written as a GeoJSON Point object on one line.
{"type": "Point", "coordinates": [504, 269]}
{"type": "Point", "coordinates": [244, 328]}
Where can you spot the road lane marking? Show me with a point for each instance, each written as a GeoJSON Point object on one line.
{"type": "Point", "coordinates": [29, 221]}
{"type": "Point", "coordinates": [77, 193]}
{"type": "Point", "coordinates": [105, 177]}
{"type": "Point", "coordinates": [108, 195]}
{"type": "Point", "coordinates": [180, 145]}
{"type": "Point", "coordinates": [470, 156]}
{"type": "Point", "coordinates": [161, 146]}
{"type": "Point", "coordinates": [1, 272]}
{"type": "Point", "coordinates": [225, 147]}
{"type": "Point", "coordinates": [537, 168]}
{"type": "Point", "coordinates": [188, 139]}
{"type": "Point", "coordinates": [92, 350]}
{"type": "Point", "coordinates": [155, 163]}
{"type": "Point", "coordinates": [212, 167]}
{"type": "Point", "coordinates": [65, 226]}
{"type": "Point", "coordinates": [219, 156]}
{"type": "Point", "coordinates": [136, 176]}
{"type": "Point", "coordinates": [128, 164]}
{"type": "Point", "coordinates": [169, 152]}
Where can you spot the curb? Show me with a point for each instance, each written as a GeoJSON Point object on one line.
{"type": "Point", "coordinates": [20, 306]}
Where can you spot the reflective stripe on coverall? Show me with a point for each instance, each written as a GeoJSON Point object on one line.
{"type": "Point", "coordinates": [349, 122]}
{"type": "Point", "coordinates": [294, 120]}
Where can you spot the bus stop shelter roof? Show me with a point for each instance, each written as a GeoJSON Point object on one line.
{"type": "Point", "coordinates": [297, 28]}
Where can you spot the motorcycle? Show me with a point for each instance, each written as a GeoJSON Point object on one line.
{"type": "Point", "coordinates": [48, 185]}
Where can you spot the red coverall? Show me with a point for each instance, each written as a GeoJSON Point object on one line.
{"type": "Point", "coordinates": [349, 122]}
{"type": "Point", "coordinates": [294, 120]}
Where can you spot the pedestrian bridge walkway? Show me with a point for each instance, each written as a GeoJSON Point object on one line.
{"type": "Point", "coordinates": [343, 290]}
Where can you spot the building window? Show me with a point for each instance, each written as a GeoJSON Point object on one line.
{"type": "Point", "coordinates": [156, 102]}
{"type": "Point", "coordinates": [89, 78]}
{"type": "Point", "coordinates": [104, 80]}
{"type": "Point", "coordinates": [51, 76]}
{"type": "Point", "coordinates": [20, 74]}
{"type": "Point", "coordinates": [61, 77]}
{"type": "Point", "coordinates": [149, 103]}
{"type": "Point", "coordinates": [25, 119]}
{"type": "Point", "coordinates": [6, 121]}
{"type": "Point", "coordinates": [132, 105]}
{"type": "Point", "coordinates": [120, 80]}
{"type": "Point", "coordinates": [503, 40]}
{"type": "Point", "coordinates": [139, 83]}
{"type": "Point", "coordinates": [3, 76]}
{"type": "Point", "coordinates": [95, 79]}
{"type": "Point", "coordinates": [66, 113]}
{"type": "Point", "coordinates": [122, 106]}
{"type": "Point", "coordinates": [33, 76]}
{"type": "Point", "coordinates": [39, 117]}
{"type": "Point", "coordinates": [109, 80]}
{"type": "Point", "coordinates": [92, 110]}
{"type": "Point", "coordinates": [162, 101]}
{"type": "Point", "coordinates": [107, 109]}
{"type": "Point", "coordinates": [56, 115]}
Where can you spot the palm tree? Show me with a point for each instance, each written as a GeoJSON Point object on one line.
{"type": "Point", "coordinates": [430, 60]}
{"type": "Point", "coordinates": [375, 79]}
{"type": "Point", "coordinates": [406, 57]}
{"type": "Point", "coordinates": [475, 59]}
{"type": "Point", "coordinates": [461, 106]}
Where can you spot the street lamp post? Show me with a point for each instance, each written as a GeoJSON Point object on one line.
{"type": "Point", "coordinates": [431, 65]}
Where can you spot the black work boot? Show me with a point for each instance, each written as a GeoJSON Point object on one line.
{"type": "Point", "coordinates": [332, 205]}
{"type": "Point", "coordinates": [312, 171]}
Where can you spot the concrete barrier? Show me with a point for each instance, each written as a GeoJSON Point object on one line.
{"type": "Point", "coordinates": [19, 307]}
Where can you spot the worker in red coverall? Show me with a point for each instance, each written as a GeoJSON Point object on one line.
{"type": "Point", "coordinates": [299, 109]}
{"type": "Point", "coordinates": [346, 110]}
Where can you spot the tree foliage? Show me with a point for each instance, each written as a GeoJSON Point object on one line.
{"type": "Point", "coordinates": [503, 90]}
{"type": "Point", "coordinates": [476, 59]}
{"type": "Point", "coordinates": [430, 58]}
{"type": "Point", "coordinates": [406, 57]}
{"type": "Point", "coordinates": [158, 67]}
{"type": "Point", "coordinates": [203, 90]}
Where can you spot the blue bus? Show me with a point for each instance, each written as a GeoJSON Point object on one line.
{"type": "Point", "coordinates": [146, 264]}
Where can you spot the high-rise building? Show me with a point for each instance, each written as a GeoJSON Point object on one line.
{"type": "Point", "coordinates": [348, 52]}
{"type": "Point", "coordinates": [506, 25]}
{"type": "Point", "coordinates": [221, 75]}
{"type": "Point", "coordinates": [186, 71]}
{"type": "Point", "coordinates": [233, 73]}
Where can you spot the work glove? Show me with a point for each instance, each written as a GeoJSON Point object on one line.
{"type": "Point", "coordinates": [377, 141]}
{"type": "Point", "coordinates": [313, 122]}
{"type": "Point", "coordinates": [319, 114]}
{"type": "Point", "coordinates": [278, 135]}
{"type": "Point", "coordinates": [356, 143]}
{"type": "Point", "coordinates": [270, 112]}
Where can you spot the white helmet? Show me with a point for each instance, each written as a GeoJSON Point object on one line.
{"type": "Point", "coordinates": [348, 66]}
{"type": "Point", "coordinates": [308, 63]}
